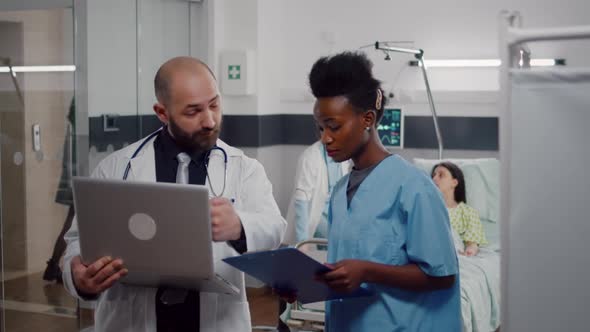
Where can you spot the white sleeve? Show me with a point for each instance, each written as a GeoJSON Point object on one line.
{"type": "Point", "coordinates": [305, 186]}
{"type": "Point", "coordinates": [261, 218]}
{"type": "Point", "coordinates": [307, 173]}
{"type": "Point", "coordinates": [73, 247]}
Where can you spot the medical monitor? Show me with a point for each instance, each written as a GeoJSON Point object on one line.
{"type": "Point", "coordinates": [391, 128]}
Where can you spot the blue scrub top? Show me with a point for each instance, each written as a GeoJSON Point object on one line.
{"type": "Point", "coordinates": [396, 217]}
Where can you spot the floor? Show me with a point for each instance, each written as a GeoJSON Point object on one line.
{"type": "Point", "coordinates": [33, 289]}
{"type": "Point", "coordinates": [31, 304]}
{"type": "Point", "coordinates": [264, 307]}
{"type": "Point", "coordinates": [18, 321]}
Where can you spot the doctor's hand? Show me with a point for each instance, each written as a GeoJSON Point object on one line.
{"type": "Point", "coordinates": [225, 223]}
{"type": "Point", "coordinates": [346, 275]}
{"type": "Point", "coordinates": [95, 278]}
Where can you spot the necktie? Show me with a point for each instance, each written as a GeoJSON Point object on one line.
{"type": "Point", "coordinates": [175, 296]}
{"type": "Point", "coordinates": [182, 170]}
{"type": "Point", "coordinates": [177, 309]}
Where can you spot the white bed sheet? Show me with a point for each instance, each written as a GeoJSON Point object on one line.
{"type": "Point", "coordinates": [480, 291]}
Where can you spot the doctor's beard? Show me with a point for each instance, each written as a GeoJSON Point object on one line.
{"type": "Point", "coordinates": [201, 140]}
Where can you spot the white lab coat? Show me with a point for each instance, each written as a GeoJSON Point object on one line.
{"type": "Point", "coordinates": [311, 184]}
{"type": "Point", "coordinates": [128, 308]}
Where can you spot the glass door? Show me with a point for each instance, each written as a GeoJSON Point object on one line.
{"type": "Point", "coordinates": [70, 94]}
{"type": "Point", "coordinates": [38, 159]}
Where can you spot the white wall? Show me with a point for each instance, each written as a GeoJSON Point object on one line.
{"type": "Point", "coordinates": [271, 63]}
{"type": "Point", "coordinates": [116, 74]}
{"type": "Point", "coordinates": [126, 42]}
{"type": "Point", "coordinates": [236, 28]}
{"type": "Point", "coordinates": [293, 34]}
{"type": "Point", "coordinates": [288, 36]}
{"type": "Point", "coordinates": [444, 29]}
{"type": "Point", "coordinates": [163, 34]}
{"type": "Point", "coordinates": [111, 61]}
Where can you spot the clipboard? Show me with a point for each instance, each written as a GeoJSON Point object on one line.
{"type": "Point", "coordinates": [291, 270]}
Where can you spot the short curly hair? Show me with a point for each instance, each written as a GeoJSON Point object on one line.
{"type": "Point", "coordinates": [348, 74]}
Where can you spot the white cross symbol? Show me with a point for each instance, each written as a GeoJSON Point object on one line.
{"type": "Point", "coordinates": [233, 72]}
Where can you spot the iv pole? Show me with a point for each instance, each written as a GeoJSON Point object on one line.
{"type": "Point", "coordinates": [419, 54]}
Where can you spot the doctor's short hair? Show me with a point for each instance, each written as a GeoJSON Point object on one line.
{"type": "Point", "coordinates": [348, 74]}
{"type": "Point", "coordinates": [457, 174]}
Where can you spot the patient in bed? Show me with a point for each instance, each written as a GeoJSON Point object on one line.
{"type": "Point", "coordinates": [465, 221]}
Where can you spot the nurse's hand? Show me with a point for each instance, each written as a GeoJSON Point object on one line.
{"type": "Point", "coordinates": [346, 275]}
{"type": "Point", "coordinates": [95, 278]}
{"type": "Point", "coordinates": [225, 223]}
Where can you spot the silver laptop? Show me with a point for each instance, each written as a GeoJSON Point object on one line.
{"type": "Point", "coordinates": [162, 231]}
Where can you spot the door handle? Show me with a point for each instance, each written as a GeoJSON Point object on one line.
{"type": "Point", "coordinates": [36, 137]}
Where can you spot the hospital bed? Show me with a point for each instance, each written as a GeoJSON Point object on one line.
{"type": "Point", "coordinates": [479, 275]}
{"type": "Point", "coordinates": [311, 316]}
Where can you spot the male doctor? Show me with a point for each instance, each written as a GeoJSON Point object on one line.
{"type": "Point", "coordinates": [245, 218]}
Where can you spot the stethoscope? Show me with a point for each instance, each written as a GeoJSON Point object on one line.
{"type": "Point", "coordinates": [207, 157]}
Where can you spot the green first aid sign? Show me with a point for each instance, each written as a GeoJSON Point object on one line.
{"type": "Point", "coordinates": [234, 72]}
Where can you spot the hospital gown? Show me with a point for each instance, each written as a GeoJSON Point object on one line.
{"type": "Point", "coordinates": [396, 217]}
{"type": "Point", "coordinates": [465, 220]}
